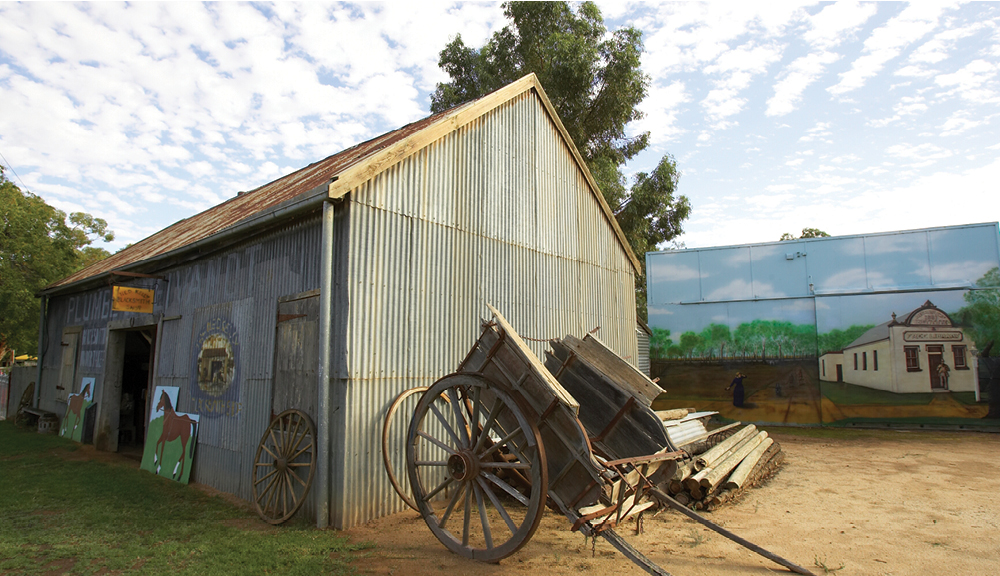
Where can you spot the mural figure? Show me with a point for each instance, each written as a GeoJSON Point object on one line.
{"type": "Point", "coordinates": [737, 386]}
{"type": "Point", "coordinates": [942, 371]}
{"type": "Point", "coordinates": [174, 426]}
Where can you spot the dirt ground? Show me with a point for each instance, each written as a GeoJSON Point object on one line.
{"type": "Point", "coordinates": [866, 502]}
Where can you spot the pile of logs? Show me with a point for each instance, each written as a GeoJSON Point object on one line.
{"type": "Point", "coordinates": [722, 465]}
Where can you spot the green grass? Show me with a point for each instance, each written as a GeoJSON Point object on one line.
{"type": "Point", "coordinates": [85, 517]}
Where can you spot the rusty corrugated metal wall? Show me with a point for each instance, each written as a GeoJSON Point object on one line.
{"type": "Point", "coordinates": [497, 212]}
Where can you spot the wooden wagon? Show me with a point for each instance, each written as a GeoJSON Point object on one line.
{"type": "Point", "coordinates": [490, 444]}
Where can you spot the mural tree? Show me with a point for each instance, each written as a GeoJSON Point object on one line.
{"type": "Point", "coordinates": [660, 344]}
{"type": "Point", "coordinates": [838, 339]}
{"type": "Point", "coordinates": [981, 317]}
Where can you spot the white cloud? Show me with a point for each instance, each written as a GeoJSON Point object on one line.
{"type": "Point", "coordinates": [918, 152]}
{"type": "Point", "coordinates": [975, 82]}
{"type": "Point", "coordinates": [886, 43]}
{"type": "Point", "coordinates": [795, 78]}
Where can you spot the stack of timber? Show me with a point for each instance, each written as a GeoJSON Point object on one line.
{"type": "Point", "coordinates": [722, 464]}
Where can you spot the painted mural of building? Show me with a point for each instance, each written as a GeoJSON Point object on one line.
{"type": "Point", "coordinates": [841, 330]}
{"type": "Point", "coordinates": [922, 351]}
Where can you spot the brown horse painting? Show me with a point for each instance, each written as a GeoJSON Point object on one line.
{"type": "Point", "coordinates": [75, 408]}
{"type": "Point", "coordinates": [175, 426]}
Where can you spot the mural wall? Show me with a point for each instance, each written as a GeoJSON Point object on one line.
{"type": "Point", "coordinates": [834, 331]}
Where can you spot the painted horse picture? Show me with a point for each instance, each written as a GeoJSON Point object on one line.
{"type": "Point", "coordinates": [170, 438]}
{"type": "Point", "coordinates": [72, 425]}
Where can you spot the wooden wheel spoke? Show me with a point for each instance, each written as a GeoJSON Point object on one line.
{"type": "Point", "coordinates": [274, 442]}
{"type": "Point", "coordinates": [483, 518]}
{"type": "Point", "coordinates": [302, 451]}
{"type": "Point", "coordinates": [436, 442]}
{"type": "Point", "coordinates": [267, 488]}
{"type": "Point", "coordinates": [468, 516]}
{"type": "Point", "coordinates": [291, 489]}
{"type": "Point", "coordinates": [498, 406]}
{"type": "Point", "coordinates": [300, 480]}
{"type": "Point", "coordinates": [431, 462]}
{"type": "Point", "coordinates": [496, 504]}
{"type": "Point", "coordinates": [290, 435]}
{"type": "Point", "coordinates": [447, 426]}
{"type": "Point", "coordinates": [451, 505]}
{"type": "Point", "coordinates": [266, 476]}
{"type": "Point", "coordinates": [507, 465]}
{"type": "Point", "coordinates": [505, 440]}
{"type": "Point", "coordinates": [456, 408]}
{"type": "Point", "coordinates": [299, 464]}
{"type": "Point", "coordinates": [268, 450]}
{"type": "Point", "coordinates": [284, 495]}
{"type": "Point", "coordinates": [440, 487]}
{"type": "Point", "coordinates": [298, 442]}
{"type": "Point", "coordinates": [506, 488]}
{"type": "Point", "coordinates": [474, 413]}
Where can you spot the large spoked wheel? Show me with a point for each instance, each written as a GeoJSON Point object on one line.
{"type": "Point", "coordinates": [477, 467]}
{"type": "Point", "coordinates": [284, 466]}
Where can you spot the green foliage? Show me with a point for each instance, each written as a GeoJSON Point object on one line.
{"type": "Point", "coordinates": [37, 247]}
{"type": "Point", "coordinates": [775, 339]}
{"type": "Point", "coordinates": [806, 233]}
{"type": "Point", "coordinates": [659, 343]}
{"type": "Point", "coordinates": [595, 83]}
{"type": "Point", "coordinates": [838, 339]}
{"type": "Point", "coordinates": [83, 516]}
{"type": "Point", "coordinates": [981, 315]}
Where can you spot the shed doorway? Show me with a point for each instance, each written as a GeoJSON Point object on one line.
{"type": "Point", "coordinates": [133, 409]}
{"type": "Point", "coordinates": [123, 411]}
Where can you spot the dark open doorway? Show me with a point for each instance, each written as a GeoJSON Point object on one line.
{"type": "Point", "coordinates": [133, 405]}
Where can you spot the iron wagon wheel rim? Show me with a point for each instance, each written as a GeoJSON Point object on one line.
{"type": "Point", "coordinates": [288, 444]}
{"type": "Point", "coordinates": [400, 491]}
{"type": "Point", "coordinates": [473, 469]}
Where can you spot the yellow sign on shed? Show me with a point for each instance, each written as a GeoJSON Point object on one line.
{"type": "Point", "coordinates": [125, 299]}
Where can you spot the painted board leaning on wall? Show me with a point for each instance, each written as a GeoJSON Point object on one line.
{"type": "Point", "coordinates": [850, 330]}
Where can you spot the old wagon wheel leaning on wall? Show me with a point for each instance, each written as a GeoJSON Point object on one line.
{"type": "Point", "coordinates": [284, 466]}
{"type": "Point", "coordinates": [391, 430]}
{"type": "Point", "coordinates": [477, 467]}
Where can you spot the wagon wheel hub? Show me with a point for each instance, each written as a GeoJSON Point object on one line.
{"type": "Point", "coordinates": [281, 464]}
{"type": "Point", "coordinates": [463, 465]}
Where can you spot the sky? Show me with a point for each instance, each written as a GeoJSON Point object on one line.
{"type": "Point", "coordinates": [851, 118]}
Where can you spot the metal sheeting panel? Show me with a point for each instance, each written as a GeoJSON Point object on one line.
{"type": "Point", "coordinates": [642, 360]}
{"type": "Point", "coordinates": [235, 292]}
{"type": "Point", "coordinates": [495, 212]}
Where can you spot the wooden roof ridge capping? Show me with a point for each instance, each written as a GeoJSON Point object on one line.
{"type": "Point", "coordinates": [333, 177]}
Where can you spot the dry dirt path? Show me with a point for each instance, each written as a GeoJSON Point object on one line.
{"type": "Point", "coordinates": [878, 503]}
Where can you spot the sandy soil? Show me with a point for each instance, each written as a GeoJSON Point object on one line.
{"type": "Point", "coordinates": [879, 503]}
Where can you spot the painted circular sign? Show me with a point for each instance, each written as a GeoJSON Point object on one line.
{"type": "Point", "coordinates": [216, 364]}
